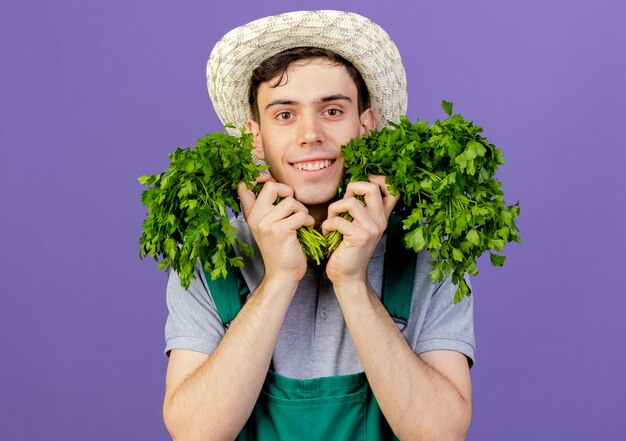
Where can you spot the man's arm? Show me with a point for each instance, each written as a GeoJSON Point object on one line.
{"type": "Point", "coordinates": [210, 397]}
{"type": "Point", "coordinates": [426, 397]}
{"type": "Point", "coordinates": [422, 397]}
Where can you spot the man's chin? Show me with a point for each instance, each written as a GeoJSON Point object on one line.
{"type": "Point", "coordinates": [310, 198]}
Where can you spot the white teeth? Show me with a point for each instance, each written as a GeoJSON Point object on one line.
{"type": "Point", "coordinates": [312, 166]}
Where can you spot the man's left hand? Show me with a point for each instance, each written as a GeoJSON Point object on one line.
{"type": "Point", "coordinates": [348, 263]}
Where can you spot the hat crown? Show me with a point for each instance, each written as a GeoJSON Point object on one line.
{"type": "Point", "coordinates": [356, 38]}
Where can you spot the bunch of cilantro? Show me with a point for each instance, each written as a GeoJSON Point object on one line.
{"type": "Point", "coordinates": [451, 202]}
{"type": "Point", "coordinates": [187, 217]}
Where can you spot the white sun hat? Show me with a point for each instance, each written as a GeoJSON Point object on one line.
{"type": "Point", "coordinates": [356, 38]}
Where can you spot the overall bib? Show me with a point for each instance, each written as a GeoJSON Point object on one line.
{"type": "Point", "coordinates": [326, 408]}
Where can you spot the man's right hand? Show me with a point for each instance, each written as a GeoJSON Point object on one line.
{"type": "Point", "coordinates": [274, 228]}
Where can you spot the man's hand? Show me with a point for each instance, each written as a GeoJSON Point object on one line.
{"type": "Point", "coordinates": [348, 263]}
{"type": "Point", "coordinates": [274, 228]}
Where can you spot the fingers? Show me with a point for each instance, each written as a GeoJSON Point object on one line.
{"type": "Point", "coordinates": [346, 228]}
{"type": "Point", "coordinates": [389, 201]}
{"type": "Point", "coordinates": [262, 210]}
{"type": "Point", "coordinates": [351, 205]}
{"type": "Point", "coordinates": [299, 219]}
{"type": "Point", "coordinates": [371, 215]}
{"type": "Point", "coordinates": [288, 209]}
{"type": "Point", "coordinates": [365, 218]}
{"type": "Point", "coordinates": [269, 193]}
{"type": "Point", "coordinates": [370, 193]}
{"type": "Point", "coordinates": [378, 200]}
{"type": "Point", "coordinates": [375, 192]}
{"type": "Point", "coordinates": [247, 196]}
{"type": "Point", "coordinates": [273, 190]}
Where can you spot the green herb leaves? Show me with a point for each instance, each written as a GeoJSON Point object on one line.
{"type": "Point", "coordinates": [187, 218]}
{"type": "Point", "coordinates": [452, 203]}
{"type": "Point", "coordinates": [447, 107]}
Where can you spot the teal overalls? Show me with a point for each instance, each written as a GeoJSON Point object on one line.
{"type": "Point", "coordinates": [326, 408]}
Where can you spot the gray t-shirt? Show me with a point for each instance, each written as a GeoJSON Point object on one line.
{"type": "Point", "coordinates": [314, 340]}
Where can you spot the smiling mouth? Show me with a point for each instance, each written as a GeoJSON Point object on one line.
{"type": "Point", "coordinates": [312, 165]}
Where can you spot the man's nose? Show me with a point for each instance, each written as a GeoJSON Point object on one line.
{"type": "Point", "coordinates": [310, 131]}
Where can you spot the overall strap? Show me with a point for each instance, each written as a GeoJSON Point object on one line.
{"type": "Point", "coordinates": [230, 293]}
{"type": "Point", "coordinates": [398, 273]}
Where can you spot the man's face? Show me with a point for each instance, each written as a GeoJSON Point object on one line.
{"type": "Point", "coordinates": [303, 124]}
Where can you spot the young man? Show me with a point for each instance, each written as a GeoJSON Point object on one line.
{"type": "Point", "coordinates": [339, 351]}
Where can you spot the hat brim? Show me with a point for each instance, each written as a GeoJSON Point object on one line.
{"type": "Point", "coordinates": [356, 38]}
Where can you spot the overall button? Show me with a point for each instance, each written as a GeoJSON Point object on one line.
{"type": "Point", "coordinates": [324, 314]}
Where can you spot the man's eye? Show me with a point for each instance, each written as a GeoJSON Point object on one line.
{"type": "Point", "coordinates": [284, 116]}
{"type": "Point", "coordinates": [333, 112]}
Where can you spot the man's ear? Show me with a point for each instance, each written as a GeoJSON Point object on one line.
{"type": "Point", "coordinates": [254, 130]}
{"type": "Point", "coordinates": [368, 121]}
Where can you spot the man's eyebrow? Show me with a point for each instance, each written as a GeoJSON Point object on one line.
{"type": "Point", "coordinates": [280, 102]}
{"type": "Point", "coordinates": [336, 97]}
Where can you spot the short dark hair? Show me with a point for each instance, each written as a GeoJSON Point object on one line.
{"type": "Point", "coordinates": [277, 65]}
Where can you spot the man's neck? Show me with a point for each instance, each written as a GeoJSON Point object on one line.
{"type": "Point", "coordinates": [319, 213]}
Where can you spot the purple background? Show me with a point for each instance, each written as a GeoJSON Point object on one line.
{"type": "Point", "coordinates": [95, 94]}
